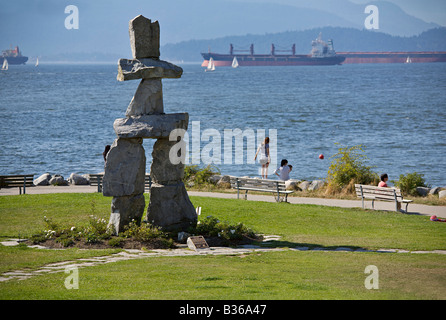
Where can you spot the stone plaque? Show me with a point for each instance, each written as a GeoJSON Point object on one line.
{"type": "Point", "coordinates": [197, 242]}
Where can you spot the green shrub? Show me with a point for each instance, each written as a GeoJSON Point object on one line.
{"type": "Point", "coordinates": [349, 167]}
{"type": "Point", "coordinates": [143, 232]}
{"type": "Point", "coordinates": [199, 175]}
{"type": "Point", "coordinates": [408, 183]}
{"type": "Point", "coordinates": [115, 242]}
{"type": "Point", "coordinates": [212, 227]}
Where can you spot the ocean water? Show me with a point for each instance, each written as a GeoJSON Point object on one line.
{"type": "Point", "coordinates": [58, 118]}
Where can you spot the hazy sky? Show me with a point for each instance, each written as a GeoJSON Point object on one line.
{"type": "Point", "coordinates": [37, 26]}
{"type": "Point", "coordinates": [427, 10]}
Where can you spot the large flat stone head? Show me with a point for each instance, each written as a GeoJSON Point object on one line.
{"type": "Point", "coordinates": [144, 38]}
{"type": "Point", "coordinates": [147, 69]}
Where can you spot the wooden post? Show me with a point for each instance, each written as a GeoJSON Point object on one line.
{"type": "Point", "coordinates": [396, 200]}
{"type": "Point", "coordinates": [362, 196]}
{"type": "Point", "coordinates": [238, 188]}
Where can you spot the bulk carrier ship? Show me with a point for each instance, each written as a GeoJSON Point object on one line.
{"type": "Point", "coordinates": [13, 56]}
{"type": "Point", "coordinates": [322, 53]}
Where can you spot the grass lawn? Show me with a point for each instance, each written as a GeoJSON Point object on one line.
{"type": "Point", "coordinates": [286, 274]}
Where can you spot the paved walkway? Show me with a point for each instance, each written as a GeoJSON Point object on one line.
{"type": "Point", "coordinates": [439, 211]}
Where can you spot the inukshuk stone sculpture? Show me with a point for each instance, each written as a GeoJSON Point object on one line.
{"type": "Point", "coordinates": [124, 178]}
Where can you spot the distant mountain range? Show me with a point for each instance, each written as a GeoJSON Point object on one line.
{"type": "Point", "coordinates": [345, 39]}
{"type": "Point", "coordinates": [38, 26]}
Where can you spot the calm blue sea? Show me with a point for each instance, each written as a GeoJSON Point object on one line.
{"type": "Point", "coordinates": [58, 118]}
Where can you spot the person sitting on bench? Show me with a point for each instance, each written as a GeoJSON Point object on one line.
{"type": "Point", "coordinates": [383, 184]}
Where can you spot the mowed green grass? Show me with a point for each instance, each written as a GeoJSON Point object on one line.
{"type": "Point", "coordinates": [287, 274]}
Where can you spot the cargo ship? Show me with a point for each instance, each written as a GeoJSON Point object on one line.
{"type": "Point", "coordinates": [322, 53]}
{"type": "Point", "coordinates": [13, 56]}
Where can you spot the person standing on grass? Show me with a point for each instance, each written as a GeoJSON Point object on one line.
{"type": "Point", "coordinates": [264, 158]}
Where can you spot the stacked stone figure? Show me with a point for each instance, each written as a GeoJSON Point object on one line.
{"type": "Point", "coordinates": [124, 178]}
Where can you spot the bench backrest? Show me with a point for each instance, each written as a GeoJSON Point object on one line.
{"type": "Point", "coordinates": [265, 184]}
{"type": "Point", "coordinates": [377, 193]}
{"type": "Point", "coordinates": [97, 178]}
{"type": "Point", "coordinates": [16, 180]}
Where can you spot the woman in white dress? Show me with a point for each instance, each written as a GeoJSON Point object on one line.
{"type": "Point", "coordinates": [264, 158]}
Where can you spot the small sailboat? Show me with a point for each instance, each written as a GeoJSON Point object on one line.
{"type": "Point", "coordinates": [37, 62]}
{"type": "Point", "coordinates": [235, 63]}
{"type": "Point", "coordinates": [5, 65]}
{"type": "Point", "coordinates": [211, 65]}
{"type": "Point", "coordinates": [408, 60]}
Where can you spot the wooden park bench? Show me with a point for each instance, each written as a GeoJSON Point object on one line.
{"type": "Point", "coordinates": [380, 194]}
{"type": "Point", "coordinates": [96, 180]}
{"type": "Point", "coordinates": [261, 185]}
{"type": "Point", "coordinates": [20, 181]}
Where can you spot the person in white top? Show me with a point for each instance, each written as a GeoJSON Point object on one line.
{"type": "Point", "coordinates": [264, 158]}
{"type": "Point", "coordinates": [284, 171]}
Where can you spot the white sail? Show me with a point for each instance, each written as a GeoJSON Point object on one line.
{"type": "Point", "coordinates": [5, 65]}
{"type": "Point", "coordinates": [235, 63]}
{"type": "Point", "coordinates": [211, 65]}
{"type": "Point", "coordinates": [408, 60]}
{"type": "Point", "coordinates": [37, 62]}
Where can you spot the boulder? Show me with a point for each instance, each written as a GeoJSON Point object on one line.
{"type": "Point", "coordinates": [125, 209]}
{"type": "Point", "coordinates": [148, 99]}
{"type": "Point", "coordinates": [147, 69]}
{"type": "Point", "coordinates": [215, 178]}
{"type": "Point", "coordinates": [292, 185]}
{"type": "Point", "coordinates": [435, 190]}
{"type": "Point", "coordinates": [316, 184]}
{"type": "Point", "coordinates": [78, 179]}
{"type": "Point", "coordinates": [304, 185]}
{"type": "Point", "coordinates": [423, 191]}
{"type": "Point", "coordinates": [58, 180]}
{"type": "Point", "coordinates": [163, 170]}
{"type": "Point", "coordinates": [125, 169]}
{"type": "Point", "coordinates": [442, 194]}
{"type": "Point", "coordinates": [153, 126]}
{"type": "Point", "coordinates": [170, 208]}
{"type": "Point", "coordinates": [144, 37]}
{"type": "Point", "coordinates": [43, 180]}
{"type": "Point", "coordinates": [224, 182]}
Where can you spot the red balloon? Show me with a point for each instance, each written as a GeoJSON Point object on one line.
{"type": "Point", "coordinates": [321, 156]}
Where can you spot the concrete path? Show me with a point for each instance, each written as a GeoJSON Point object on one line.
{"type": "Point", "coordinates": [439, 211]}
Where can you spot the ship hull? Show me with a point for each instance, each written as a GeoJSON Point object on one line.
{"type": "Point", "coordinates": [393, 57]}
{"type": "Point", "coordinates": [14, 60]}
{"type": "Point", "coordinates": [225, 60]}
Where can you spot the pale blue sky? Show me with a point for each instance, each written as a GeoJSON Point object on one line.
{"type": "Point", "coordinates": [37, 26]}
